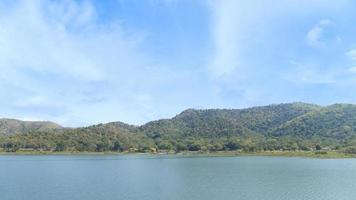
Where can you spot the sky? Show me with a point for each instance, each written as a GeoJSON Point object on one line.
{"type": "Point", "coordinates": [86, 62]}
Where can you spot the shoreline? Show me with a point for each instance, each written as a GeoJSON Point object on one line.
{"type": "Point", "coordinates": [302, 154]}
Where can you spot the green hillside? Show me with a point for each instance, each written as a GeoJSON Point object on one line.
{"type": "Point", "coordinates": [335, 121]}
{"type": "Point", "coordinates": [293, 126]}
{"type": "Point", "coordinates": [214, 123]}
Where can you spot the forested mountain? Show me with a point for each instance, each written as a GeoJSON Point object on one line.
{"type": "Point", "coordinates": [293, 126]}
{"type": "Point", "coordinates": [13, 126]}
{"type": "Point", "coordinates": [214, 123]}
{"type": "Point", "coordinates": [335, 121]}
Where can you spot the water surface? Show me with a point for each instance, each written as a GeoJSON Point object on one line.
{"type": "Point", "coordinates": [144, 177]}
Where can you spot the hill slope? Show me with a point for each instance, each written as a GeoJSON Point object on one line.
{"type": "Point", "coordinates": [336, 121]}
{"type": "Point", "coordinates": [13, 126]}
{"type": "Point", "coordinates": [227, 122]}
{"type": "Point", "coordinates": [290, 126]}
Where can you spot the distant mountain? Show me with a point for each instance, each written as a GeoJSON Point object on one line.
{"type": "Point", "coordinates": [290, 126]}
{"type": "Point", "coordinates": [13, 126]}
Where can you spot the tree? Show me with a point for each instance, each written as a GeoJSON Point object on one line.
{"type": "Point", "coordinates": [318, 147]}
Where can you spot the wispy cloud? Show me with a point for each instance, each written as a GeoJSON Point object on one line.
{"type": "Point", "coordinates": [318, 35]}
{"type": "Point", "coordinates": [310, 75]}
{"type": "Point", "coordinates": [226, 38]}
{"type": "Point", "coordinates": [352, 70]}
{"type": "Point", "coordinates": [84, 62]}
{"type": "Point", "coordinates": [48, 42]}
{"type": "Point", "coordinates": [316, 74]}
{"type": "Point", "coordinates": [64, 60]}
{"type": "Point", "coordinates": [238, 26]}
{"type": "Point", "coordinates": [61, 61]}
{"type": "Point", "coordinates": [352, 54]}
{"type": "Point", "coordinates": [254, 41]}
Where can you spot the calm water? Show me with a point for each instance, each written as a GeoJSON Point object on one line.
{"type": "Point", "coordinates": [167, 177]}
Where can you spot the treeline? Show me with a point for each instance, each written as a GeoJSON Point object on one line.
{"type": "Point", "coordinates": [286, 127]}
{"type": "Point", "coordinates": [80, 141]}
{"type": "Point", "coordinates": [75, 140]}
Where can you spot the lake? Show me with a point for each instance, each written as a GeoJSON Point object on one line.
{"type": "Point", "coordinates": [148, 177]}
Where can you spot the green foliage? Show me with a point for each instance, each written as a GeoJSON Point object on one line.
{"type": "Point", "coordinates": [350, 150]}
{"type": "Point", "coordinates": [285, 127]}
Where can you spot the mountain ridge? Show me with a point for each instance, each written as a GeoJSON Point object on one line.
{"type": "Point", "coordinates": [12, 126]}
{"type": "Point", "coordinates": [289, 126]}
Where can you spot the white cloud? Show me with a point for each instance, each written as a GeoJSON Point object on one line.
{"type": "Point", "coordinates": [59, 63]}
{"type": "Point", "coordinates": [304, 74]}
{"type": "Point", "coordinates": [226, 36]}
{"type": "Point", "coordinates": [238, 25]}
{"type": "Point", "coordinates": [352, 54]}
{"type": "Point", "coordinates": [61, 38]}
{"type": "Point", "coordinates": [317, 35]}
{"type": "Point", "coordinates": [352, 70]}
{"type": "Point", "coordinates": [309, 73]}
{"type": "Point", "coordinates": [31, 101]}
{"type": "Point", "coordinates": [325, 22]}
{"type": "Point", "coordinates": [316, 77]}
{"type": "Point", "coordinates": [253, 41]}
{"type": "Point", "coordinates": [312, 76]}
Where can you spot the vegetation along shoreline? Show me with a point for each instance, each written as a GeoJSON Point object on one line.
{"type": "Point", "coordinates": [290, 129]}
{"type": "Point", "coordinates": [301, 154]}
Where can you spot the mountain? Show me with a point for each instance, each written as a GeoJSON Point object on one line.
{"type": "Point", "coordinates": [336, 121]}
{"type": "Point", "coordinates": [13, 126]}
{"type": "Point", "coordinates": [227, 122]}
{"type": "Point", "coordinates": [291, 126]}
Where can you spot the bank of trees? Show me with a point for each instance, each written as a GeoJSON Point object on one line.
{"type": "Point", "coordinates": [79, 140]}
{"type": "Point", "coordinates": [289, 127]}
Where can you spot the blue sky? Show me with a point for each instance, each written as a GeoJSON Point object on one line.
{"type": "Point", "coordinates": [85, 62]}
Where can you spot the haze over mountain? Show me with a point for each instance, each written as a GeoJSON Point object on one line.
{"type": "Point", "coordinates": [12, 126]}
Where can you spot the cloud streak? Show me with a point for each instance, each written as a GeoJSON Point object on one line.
{"type": "Point", "coordinates": [84, 62]}
{"type": "Point", "coordinates": [61, 61]}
